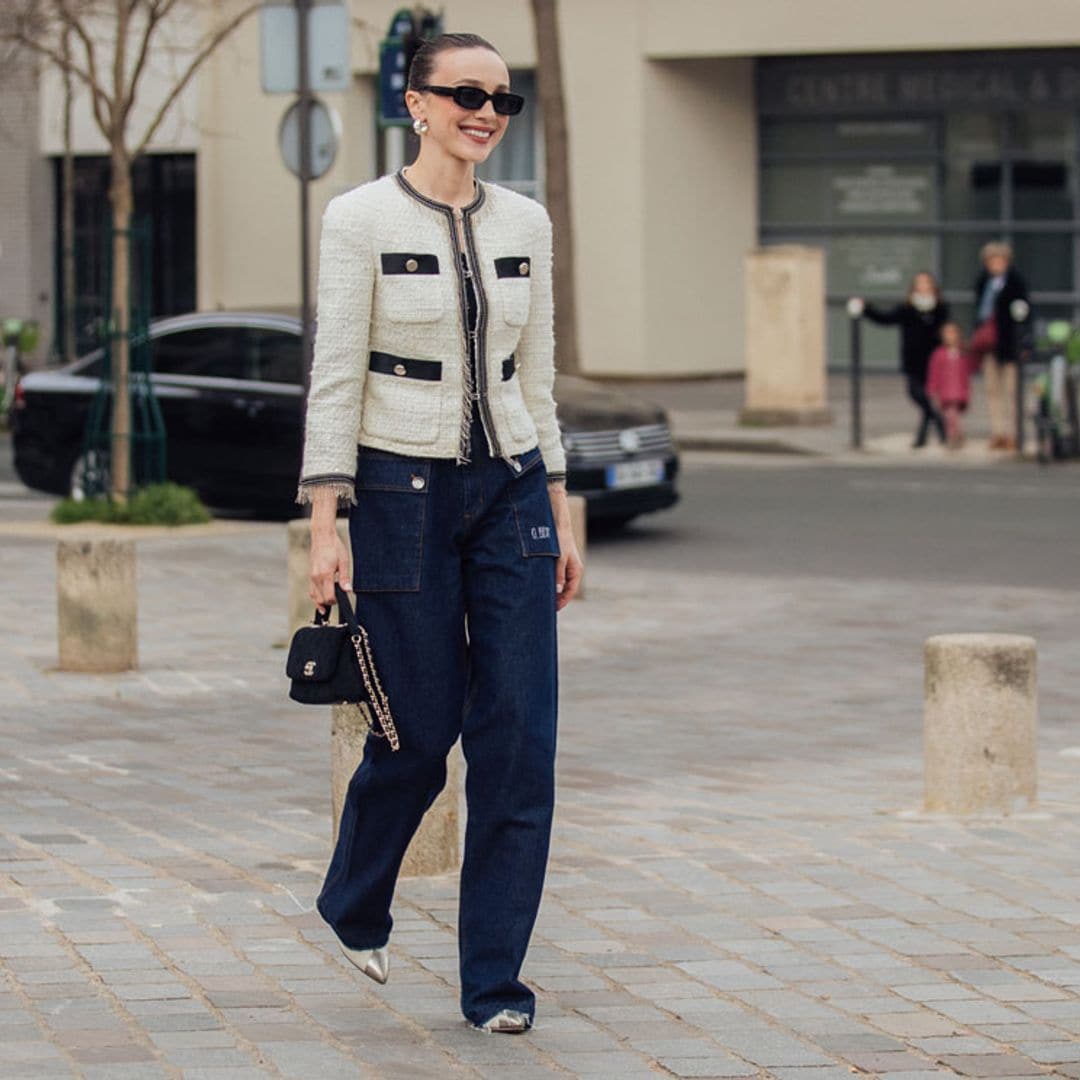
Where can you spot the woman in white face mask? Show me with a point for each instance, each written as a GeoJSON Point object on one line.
{"type": "Point", "coordinates": [920, 318]}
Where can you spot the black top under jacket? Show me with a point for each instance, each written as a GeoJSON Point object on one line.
{"type": "Point", "coordinates": [1011, 336]}
{"type": "Point", "coordinates": [919, 333]}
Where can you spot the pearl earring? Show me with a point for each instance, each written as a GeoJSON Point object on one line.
{"type": "Point", "coordinates": [420, 126]}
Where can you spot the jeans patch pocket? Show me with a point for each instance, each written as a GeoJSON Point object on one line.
{"type": "Point", "coordinates": [386, 526]}
{"type": "Point", "coordinates": [535, 521]}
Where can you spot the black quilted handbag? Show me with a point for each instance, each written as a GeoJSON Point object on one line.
{"type": "Point", "coordinates": [332, 664]}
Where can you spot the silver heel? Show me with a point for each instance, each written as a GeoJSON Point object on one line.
{"type": "Point", "coordinates": [374, 963]}
{"type": "Point", "coordinates": [507, 1021]}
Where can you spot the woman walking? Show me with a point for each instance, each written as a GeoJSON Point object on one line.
{"type": "Point", "coordinates": [920, 318]}
{"type": "Point", "coordinates": [431, 416]}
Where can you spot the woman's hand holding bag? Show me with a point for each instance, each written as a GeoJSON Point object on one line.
{"type": "Point", "coordinates": [332, 664]}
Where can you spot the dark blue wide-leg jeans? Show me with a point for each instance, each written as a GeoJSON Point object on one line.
{"type": "Point", "coordinates": [454, 571]}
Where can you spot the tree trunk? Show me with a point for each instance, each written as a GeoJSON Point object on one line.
{"type": "Point", "coordinates": [557, 179]}
{"type": "Point", "coordinates": [120, 195]}
{"type": "Point", "coordinates": [67, 215]}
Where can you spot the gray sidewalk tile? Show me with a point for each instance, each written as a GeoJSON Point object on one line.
{"type": "Point", "coordinates": [991, 1065]}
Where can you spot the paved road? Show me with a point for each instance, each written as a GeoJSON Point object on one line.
{"type": "Point", "coordinates": [742, 883]}
{"type": "Point", "coordinates": [1006, 524]}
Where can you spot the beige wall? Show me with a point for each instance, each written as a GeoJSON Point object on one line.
{"type": "Point", "coordinates": [248, 202]}
{"type": "Point", "coordinates": [604, 83]}
{"type": "Point", "coordinates": [680, 28]}
{"type": "Point", "coordinates": [26, 212]}
{"type": "Point", "coordinates": [701, 213]}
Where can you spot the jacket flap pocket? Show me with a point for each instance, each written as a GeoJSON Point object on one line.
{"type": "Point", "coordinates": [404, 262]}
{"type": "Point", "coordinates": [313, 653]}
{"type": "Point", "coordinates": [377, 470]}
{"type": "Point", "coordinates": [513, 266]}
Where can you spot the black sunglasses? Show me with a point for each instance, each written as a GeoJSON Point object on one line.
{"type": "Point", "coordinates": [473, 98]}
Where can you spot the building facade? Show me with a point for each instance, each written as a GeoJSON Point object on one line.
{"type": "Point", "coordinates": [895, 137]}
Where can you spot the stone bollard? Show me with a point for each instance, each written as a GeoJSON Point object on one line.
{"type": "Point", "coordinates": [435, 848]}
{"type": "Point", "coordinates": [96, 605]}
{"type": "Point", "coordinates": [980, 722]}
{"type": "Point", "coordinates": [785, 337]}
{"type": "Point", "coordinates": [579, 522]}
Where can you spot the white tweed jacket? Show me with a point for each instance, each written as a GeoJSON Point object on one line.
{"type": "Point", "coordinates": [391, 367]}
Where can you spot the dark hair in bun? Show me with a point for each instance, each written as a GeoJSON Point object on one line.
{"type": "Point", "coordinates": [423, 62]}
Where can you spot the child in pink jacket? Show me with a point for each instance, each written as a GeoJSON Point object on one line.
{"type": "Point", "coordinates": [949, 381]}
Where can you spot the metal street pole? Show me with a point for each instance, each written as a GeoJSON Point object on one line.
{"type": "Point", "coordinates": [1020, 310]}
{"type": "Point", "coordinates": [304, 89]}
{"type": "Point", "coordinates": [855, 309]}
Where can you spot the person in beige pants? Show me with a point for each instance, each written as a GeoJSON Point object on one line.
{"type": "Point", "coordinates": [997, 339]}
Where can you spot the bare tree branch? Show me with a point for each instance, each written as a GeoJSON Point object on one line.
{"type": "Point", "coordinates": [197, 61]}
{"type": "Point", "coordinates": [98, 98]}
{"type": "Point", "coordinates": [153, 18]}
{"type": "Point", "coordinates": [16, 37]}
{"type": "Point", "coordinates": [120, 44]}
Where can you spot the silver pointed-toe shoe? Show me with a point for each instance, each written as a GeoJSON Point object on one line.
{"type": "Point", "coordinates": [374, 963]}
{"type": "Point", "coordinates": [508, 1021]}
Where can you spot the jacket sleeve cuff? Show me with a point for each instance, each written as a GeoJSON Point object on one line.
{"type": "Point", "coordinates": [556, 478]}
{"type": "Point", "coordinates": [342, 487]}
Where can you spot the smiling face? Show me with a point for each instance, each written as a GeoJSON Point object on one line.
{"type": "Point", "coordinates": [468, 135]}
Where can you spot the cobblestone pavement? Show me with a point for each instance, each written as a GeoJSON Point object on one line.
{"type": "Point", "coordinates": [741, 883]}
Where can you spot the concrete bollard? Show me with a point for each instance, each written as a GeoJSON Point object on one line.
{"type": "Point", "coordinates": [980, 722]}
{"type": "Point", "coordinates": [96, 605]}
{"type": "Point", "coordinates": [579, 521]}
{"type": "Point", "coordinates": [435, 849]}
{"type": "Point", "coordinates": [785, 337]}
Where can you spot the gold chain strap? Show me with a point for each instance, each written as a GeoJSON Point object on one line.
{"type": "Point", "coordinates": [380, 703]}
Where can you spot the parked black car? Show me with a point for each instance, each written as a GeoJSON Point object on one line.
{"type": "Point", "coordinates": [229, 388]}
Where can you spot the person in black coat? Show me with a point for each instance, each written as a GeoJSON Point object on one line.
{"type": "Point", "coordinates": [999, 337]}
{"type": "Point", "coordinates": [920, 318]}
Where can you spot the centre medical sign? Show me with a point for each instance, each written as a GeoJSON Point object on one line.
{"type": "Point", "coordinates": [918, 81]}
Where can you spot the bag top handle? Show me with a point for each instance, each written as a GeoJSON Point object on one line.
{"type": "Point", "coordinates": [346, 615]}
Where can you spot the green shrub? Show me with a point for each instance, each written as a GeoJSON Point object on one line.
{"type": "Point", "coordinates": [71, 511]}
{"type": "Point", "coordinates": [167, 504]}
{"type": "Point", "coordinates": [156, 504]}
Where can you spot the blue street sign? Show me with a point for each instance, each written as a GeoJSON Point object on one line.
{"type": "Point", "coordinates": [392, 110]}
{"type": "Point", "coordinates": [401, 24]}
{"type": "Point", "coordinates": [393, 64]}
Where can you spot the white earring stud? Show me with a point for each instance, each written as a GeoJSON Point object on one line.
{"type": "Point", "coordinates": [420, 126]}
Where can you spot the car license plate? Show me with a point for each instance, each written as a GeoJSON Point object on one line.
{"type": "Point", "coordinates": [635, 473]}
